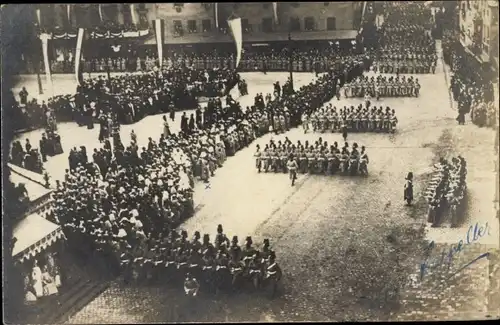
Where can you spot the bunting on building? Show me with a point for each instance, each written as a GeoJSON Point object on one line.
{"type": "Point", "coordinates": [78, 55]}
{"type": "Point", "coordinates": [236, 31]}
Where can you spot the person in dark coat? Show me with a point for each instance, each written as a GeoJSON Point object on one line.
{"type": "Point", "coordinates": [43, 147]}
{"type": "Point", "coordinates": [172, 111]}
{"type": "Point", "coordinates": [184, 123]}
{"type": "Point", "coordinates": [198, 117]}
{"type": "Point", "coordinates": [461, 117]}
{"type": "Point", "coordinates": [24, 96]}
{"type": "Point", "coordinates": [28, 145]}
{"type": "Point", "coordinates": [191, 123]}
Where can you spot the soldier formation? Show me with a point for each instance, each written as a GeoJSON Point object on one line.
{"type": "Point", "coordinates": [406, 22]}
{"type": "Point", "coordinates": [216, 265]}
{"type": "Point", "coordinates": [318, 158]}
{"type": "Point", "coordinates": [351, 119]}
{"type": "Point", "coordinates": [447, 190]}
{"type": "Point", "coordinates": [382, 86]}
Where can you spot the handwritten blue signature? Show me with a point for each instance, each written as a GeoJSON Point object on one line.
{"type": "Point", "coordinates": [474, 233]}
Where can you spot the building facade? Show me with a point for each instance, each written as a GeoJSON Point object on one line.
{"type": "Point", "coordinates": [478, 23]}
{"type": "Point", "coordinates": [204, 17]}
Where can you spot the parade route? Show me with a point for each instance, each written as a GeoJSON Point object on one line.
{"type": "Point", "coordinates": [330, 232]}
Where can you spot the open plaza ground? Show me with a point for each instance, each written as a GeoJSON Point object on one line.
{"type": "Point", "coordinates": [347, 245]}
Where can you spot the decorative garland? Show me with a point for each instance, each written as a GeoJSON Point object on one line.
{"type": "Point", "coordinates": [99, 35]}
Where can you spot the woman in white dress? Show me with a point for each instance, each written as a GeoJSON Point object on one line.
{"type": "Point", "coordinates": [36, 277]}
{"type": "Point", "coordinates": [49, 285]}
{"type": "Point", "coordinates": [29, 296]}
{"type": "Point", "coordinates": [166, 127]}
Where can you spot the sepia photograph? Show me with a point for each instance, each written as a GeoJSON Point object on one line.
{"type": "Point", "coordinates": [250, 162]}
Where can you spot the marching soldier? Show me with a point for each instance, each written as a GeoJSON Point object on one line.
{"type": "Point", "coordinates": [220, 239]}
{"type": "Point", "coordinates": [257, 156]}
{"type": "Point", "coordinates": [235, 249]}
{"type": "Point", "coordinates": [292, 168]}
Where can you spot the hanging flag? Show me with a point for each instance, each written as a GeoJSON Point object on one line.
{"type": "Point", "coordinates": [132, 14]}
{"type": "Point", "coordinates": [68, 12]}
{"type": "Point", "coordinates": [275, 12]}
{"type": "Point", "coordinates": [45, 50]}
{"type": "Point", "coordinates": [159, 32]}
{"type": "Point", "coordinates": [78, 56]}
{"type": "Point", "coordinates": [39, 17]}
{"type": "Point", "coordinates": [216, 15]}
{"type": "Point", "coordinates": [100, 12]}
{"type": "Point", "coordinates": [235, 26]}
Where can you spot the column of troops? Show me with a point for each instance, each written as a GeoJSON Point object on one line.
{"type": "Point", "coordinates": [318, 158]}
{"type": "Point", "coordinates": [360, 119]}
{"type": "Point", "coordinates": [406, 63]}
{"type": "Point", "coordinates": [382, 86]}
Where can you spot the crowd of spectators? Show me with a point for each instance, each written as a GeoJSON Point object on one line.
{"type": "Point", "coordinates": [27, 157]}
{"type": "Point", "coordinates": [128, 198]}
{"type": "Point", "coordinates": [129, 96]}
{"type": "Point", "coordinates": [472, 91]}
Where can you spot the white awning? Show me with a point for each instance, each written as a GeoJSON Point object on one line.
{"type": "Point", "coordinates": [34, 234]}
{"type": "Point", "coordinates": [33, 182]}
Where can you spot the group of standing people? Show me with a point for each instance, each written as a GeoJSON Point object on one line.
{"type": "Point", "coordinates": [447, 191]}
{"type": "Point", "coordinates": [28, 157]}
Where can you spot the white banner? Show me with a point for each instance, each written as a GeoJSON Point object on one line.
{"type": "Point", "coordinates": [45, 51]}
{"type": "Point", "coordinates": [275, 11]}
{"type": "Point", "coordinates": [159, 41]}
{"type": "Point", "coordinates": [79, 42]}
{"type": "Point", "coordinates": [100, 12]}
{"type": "Point", "coordinates": [216, 15]}
{"type": "Point", "coordinates": [68, 12]}
{"type": "Point", "coordinates": [39, 17]}
{"type": "Point", "coordinates": [132, 14]}
{"type": "Point", "coordinates": [235, 26]}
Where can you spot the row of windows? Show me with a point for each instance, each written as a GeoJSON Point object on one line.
{"type": "Point", "coordinates": [267, 24]}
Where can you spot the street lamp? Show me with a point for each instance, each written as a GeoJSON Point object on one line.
{"type": "Point", "coordinates": [290, 59]}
